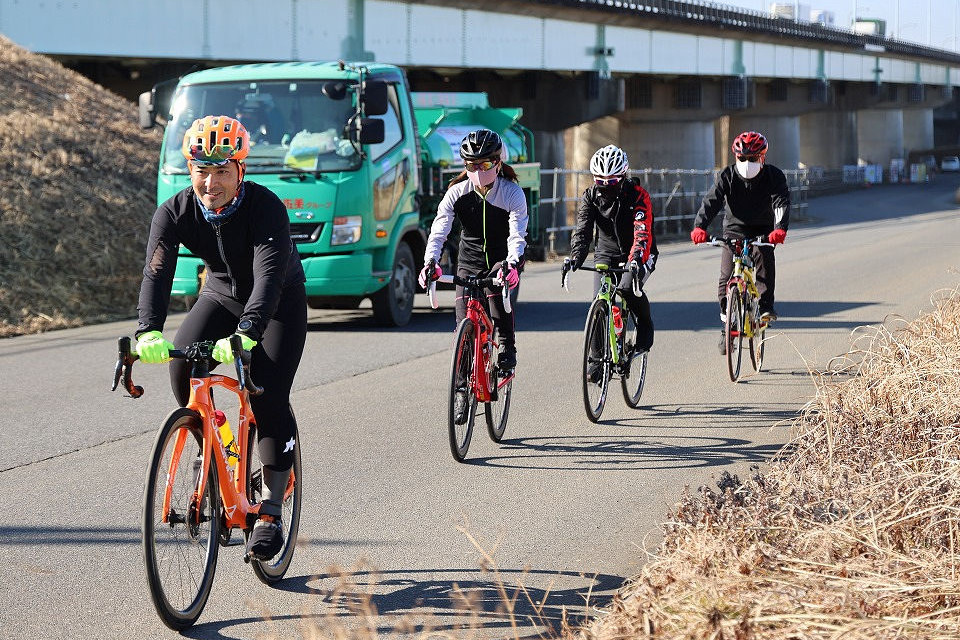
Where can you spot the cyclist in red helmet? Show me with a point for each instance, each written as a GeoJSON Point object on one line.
{"type": "Point", "coordinates": [757, 199]}
{"type": "Point", "coordinates": [254, 287]}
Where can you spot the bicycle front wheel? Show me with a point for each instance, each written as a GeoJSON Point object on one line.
{"type": "Point", "coordinates": [272, 571]}
{"type": "Point", "coordinates": [634, 365]}
{"type": "Point", "coordinates": [596, 359]}
{"type": "Point", "coordinates": [180, 532]}
{"type": "Point", "coordinates": [733, 331]}
{"type": "Point", "coordinates": [496, 411]}
{"type": "Point", "coordinates": [462, 408]}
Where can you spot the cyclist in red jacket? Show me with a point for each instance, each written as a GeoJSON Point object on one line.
{"type": "Point", "coordinates": [758, 203]}
{"type": "Point", "coordinates": [618, 207]}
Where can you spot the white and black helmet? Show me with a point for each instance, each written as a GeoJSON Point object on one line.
{"type": "Point", "coordinates": [611, 160]}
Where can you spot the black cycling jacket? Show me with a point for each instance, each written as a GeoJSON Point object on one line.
{"type": "Point", "coordinates": [624, 223]}
{"type": "Point", "coordinates": [249, 258]}
{"type": "Point", "coordinates": [756, 206]}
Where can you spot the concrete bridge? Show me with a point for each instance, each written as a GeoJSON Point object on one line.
{"type": "Point", "coordinates": [670, 81]}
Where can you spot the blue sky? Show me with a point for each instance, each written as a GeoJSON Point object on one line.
{"type": "Point", "coordinates": [930, 22]}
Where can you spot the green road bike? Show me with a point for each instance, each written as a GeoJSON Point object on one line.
{"type": "Point", "coordinates": [609, 345]}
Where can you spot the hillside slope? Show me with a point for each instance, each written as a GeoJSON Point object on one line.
{"type": "Point", "coordinates": [77, 191]}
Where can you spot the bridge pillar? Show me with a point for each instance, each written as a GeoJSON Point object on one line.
{"type": "Point", "coordinates": [879, 136]}
{"type": "Point", "coordinates": [782, 133]}
{"type": "Point", "coordinates": [657, 145]}
{"type": "Point", "coordinates": [917, 129]}
{"type": "Point", "coordinates": [828, 139]}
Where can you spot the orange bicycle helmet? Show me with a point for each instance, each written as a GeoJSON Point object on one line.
{"type": "Point", "coordinates": [216, 140]}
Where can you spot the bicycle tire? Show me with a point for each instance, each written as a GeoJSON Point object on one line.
{"type": "Point", "coordinates": [733, 331]}
{"type": "Point", "coordinates": [461, 371]}
{"type": "Point", "coordinates": [634, 365]}
{"type": "Point", "coordinates": [596, 332]}
{"type": "Point", "coordinates": [757, 347]}
{"type": "Point", "coordinates": [270, 572]}
{"type": "Point", "coordinates": [497, 411]}
{"type": "Point", "coordinates": [168, 547]}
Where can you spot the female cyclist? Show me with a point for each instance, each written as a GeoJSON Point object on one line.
{"type": "Point", "coordinates": [254, 287]}
{"type": "Point", "coordinates": [492, 211]}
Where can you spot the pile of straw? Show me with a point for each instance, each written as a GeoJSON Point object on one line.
{"type": "Point", "coordinates": [77, 191]}
{"type": "Point", "coordinates": [852, 532]}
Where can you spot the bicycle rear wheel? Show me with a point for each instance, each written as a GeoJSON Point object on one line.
{"type": "Point", "coordinates": [733, 330]}
{"type": "Point", "coordinates": [496, 411]}
{"type": "Point", "coordinates": [757, 346]}
{"type": "Point", "coordinates": [272, 571]}
{"type": "Point", "coordinates": [180, 541]}
{"type": "Point", "coordinates": [596, 359]}
{"type": "Point", "coordinates": [634, 365]}
{"type": "Point", "coordinates": [462, 408]}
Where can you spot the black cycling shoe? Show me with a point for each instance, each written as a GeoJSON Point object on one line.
{"type": "Point", "coordinates": [266, 540]}
{"type": "Point", "coordinates": [460, 407]}
{"type": "Point", "coordinates": [595, 372]}
{"type": "Point", "coordinates": [722, 345]}
{"type": "Point", "coordinates": [507, 360]}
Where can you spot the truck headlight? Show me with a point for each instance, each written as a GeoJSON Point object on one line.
{"type": "Point", "coordinates": [346, 229]}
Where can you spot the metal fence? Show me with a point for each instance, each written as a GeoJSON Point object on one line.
{"type": "Point", "coordinates": [675, 195]}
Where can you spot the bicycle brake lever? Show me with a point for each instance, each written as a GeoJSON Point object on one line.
{"type": "Point", "coordinates": [124, 368]}
{"type": "Point", "coordinates": [241, 360]}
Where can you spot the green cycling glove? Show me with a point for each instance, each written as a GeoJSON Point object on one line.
{"type": "Point", "coordinates": [152, 348]}
{"type": "Point", "coordinates": [223, 352]}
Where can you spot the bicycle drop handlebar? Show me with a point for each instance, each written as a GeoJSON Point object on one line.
{"type": "Point", "coordinates": [759, 241]}
{"type": "Point", "coordinates": [126, 356]}
{"type": "Point", "coordinates": [472, 282]}
{"type": "Point", "coordinates": [565, 270]}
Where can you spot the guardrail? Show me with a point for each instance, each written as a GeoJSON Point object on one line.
{"type": "Point", "coordinates": [675, 195]}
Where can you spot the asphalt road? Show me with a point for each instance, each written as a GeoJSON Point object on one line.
{"type": "Point", "coordinates": [564, 508]}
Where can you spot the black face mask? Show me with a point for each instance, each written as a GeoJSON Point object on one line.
{"type": "Point", "coordinates": [611, 191]}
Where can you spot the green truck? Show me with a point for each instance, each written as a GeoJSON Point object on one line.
{"type": "Point", "coordinates": [359, 160]}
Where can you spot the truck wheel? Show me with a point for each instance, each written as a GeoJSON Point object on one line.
{"type": "Point", "coordinates": [393, 304]}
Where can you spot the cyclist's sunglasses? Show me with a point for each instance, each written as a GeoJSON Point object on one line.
{"type": "Point", "coordinates": [607, 182]}
{"type": "Point", "coordinates": [756, 158]}
{"type": "Point", "coordinates": [218, 155]}
{"type": "Point", "coordinates": [482, 165]}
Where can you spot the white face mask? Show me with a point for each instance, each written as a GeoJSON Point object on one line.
{"type": "Point", "coordinates": [748, 170]}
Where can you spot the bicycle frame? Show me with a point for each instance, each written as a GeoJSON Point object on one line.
{"type": "Point", "coordinates": [743, 280]}
{"type": "Point", "coordinates": [483, 344]}
{"type": "Point", "coordinates": [609, 293]}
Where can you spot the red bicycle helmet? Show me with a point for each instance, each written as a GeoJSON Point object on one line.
{"type": "Point", "coordinates": [749, 143]}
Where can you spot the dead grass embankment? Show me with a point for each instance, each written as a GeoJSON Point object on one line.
{"type": "Point", "coordinates": [77, 189]}
{"type": "Point", "coordinates": [852, 532]}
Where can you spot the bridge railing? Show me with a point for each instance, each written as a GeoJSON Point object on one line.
{"type": "Point", "coordinates": [675, 195]}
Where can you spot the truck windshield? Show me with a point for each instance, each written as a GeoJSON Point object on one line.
{"type": "Point", "coordinates": [293, 126]}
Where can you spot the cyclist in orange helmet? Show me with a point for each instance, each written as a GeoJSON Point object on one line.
{"type": "Point", "coordinates": [254, 287]}
{"type": "Point", "coordinates": [757, 199]}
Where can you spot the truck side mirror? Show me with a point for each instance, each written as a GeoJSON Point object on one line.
{"type": "Point", "coordinates": [373, 96]}
{"type": "Point", "coordinates": [156, 102]}
{"type": "Point", "coordinates": [148, 115]}
{"type": "Point", "coordinates": [367, 130]}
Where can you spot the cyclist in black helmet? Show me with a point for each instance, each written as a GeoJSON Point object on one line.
{"type": "Point", "coordinates": [492, 211]}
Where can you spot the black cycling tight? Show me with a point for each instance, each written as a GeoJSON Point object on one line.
{"type": "Point", "coordinates": [275, 361]}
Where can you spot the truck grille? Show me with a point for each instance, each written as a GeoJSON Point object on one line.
{"type": "Point", "coordinates": [305, 232]}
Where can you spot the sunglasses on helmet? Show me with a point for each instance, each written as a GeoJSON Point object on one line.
{"type": "Point", "coordinates": [754, 158]}
{"type": "Point", "coordinates": [607, 182]}
{"type": "Point", "coordinates": [217, 155]}
{"type": "Point", "coordinates": [480, 165]}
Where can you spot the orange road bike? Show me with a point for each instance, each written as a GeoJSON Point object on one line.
{"type": "Point", "coordinates": [475, 377]}
{"type": "Point", "coordinates": [197, 492]}
{"type": "Point", "coordinates": [743, 306]}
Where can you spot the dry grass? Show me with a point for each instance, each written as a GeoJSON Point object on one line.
{"type": "Point", "coordinates": [851, 533]}
{"type": "Point", "coordinates": [77, 190]}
